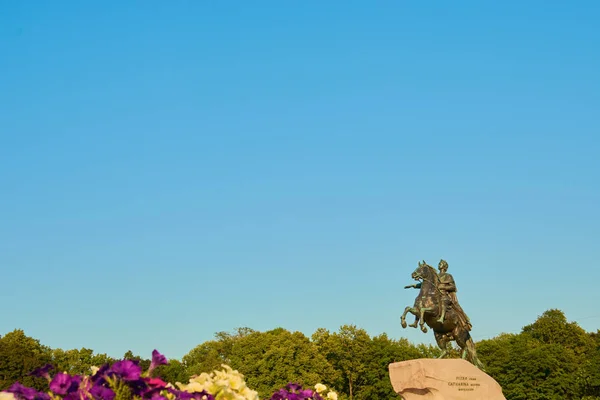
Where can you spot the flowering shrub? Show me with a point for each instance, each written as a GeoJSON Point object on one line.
{"type": "Point", "coordinates": [294, 391]}
{"type": "Point", "coordinates": [124, 380]}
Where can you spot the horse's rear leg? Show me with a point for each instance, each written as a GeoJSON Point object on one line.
{"type": "Point", "coordinates": [462, 337]}
{"type": "Point", "coordinates": [442, 342]}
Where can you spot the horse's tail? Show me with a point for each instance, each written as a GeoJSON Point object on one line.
{"type": "Point", "coordinates": [472, 354]}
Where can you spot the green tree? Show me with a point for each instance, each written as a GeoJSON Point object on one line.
{"type": "Point", "coordinates": [78, 362]}
{"type": "Point", "coordinates": [349, 352]}
{"type": "Point", "coordinates": [270, 360]}
{"type": "Point", "coordinates": [384, 351]}
{"type": "Point", "coordinates": [429, 351]}
{"type": "Point", "coordinates": [20, 355]}
{"type": "Point", "coordinates": [590, 376]}
{"type": "Point", "coordinates": [547, 360]}
{"type": "Point", "coordinates": [552, 327]}
{"type": "Point", "coordinates": [173, 372]}
{"type": "Point", "coordinates": [209, 355]}
{"type": "Point", "coordinates": [362, 362]}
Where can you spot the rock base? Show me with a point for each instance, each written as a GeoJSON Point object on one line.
{"type": "Point", "coordinates": [445, 379]}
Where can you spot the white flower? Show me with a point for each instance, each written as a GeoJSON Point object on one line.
{"type": "Point", "coordinates": [235, 382]}
{"type": "Point", "coordinates": [320, 388]}
{"type": "Point", "coordinates": [332, 395]}
{"type": "Point", "coordinates": [194, 387]}
{"type": "Point", "coordinates": [94, 369]}
{"type": "Point", "coordinates": [225, 384]}
{"type": "Point", "coordinates": [249, 394]}
{"type": "Point", "coordinates": [6, 396]}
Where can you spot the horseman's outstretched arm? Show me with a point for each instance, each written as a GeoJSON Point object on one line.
{"type": "Point", "coordinates": [416, 286]}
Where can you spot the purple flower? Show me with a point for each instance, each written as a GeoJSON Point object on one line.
{"type": "Point", "coordinates": [203, 395]}
{"type": "Point", "coordinates": [126, 370]}
{"type": "Point", "coordinates": [102, 393]}
{"type": "Point", "coordinates": [138, 387]}
{"type": "Point", "coordinates": [101, 371]}
{"type": "Point", "coordinates": [153, 386]}
{"type": "Point", "coordinates": [157, 396]}
{"type": "Point", "coordinates": [293, 387]}
{"type": "Point", "coordinates": [155, 383]}
{"type": "Point", "coordinates": [294, 391]}
{"type": "Point", "coordinates": [21, 391]}
{"type": "Point", "coordinates": [98, 377]}
{"type": "Point", "coordinates": [42, 396]}
{"type": "Point", "coordinates": [60, 383]}
{"type": "Point", "coordinates": [157, 359]}
{"type": "Point", "coordinates": [64, 383]}
{"type": "Point", "coordinates": [183, 395]}
{"type": "Point", "coordinates": [283, 394]}
{"type": "Point", "coordinates": [278, 395]}
{"type": "Point", "coordinates": [83, 391]}
{"type": "Point", "coordinates": [151, 393]}
{"type": "Point", "coordinates": [25, 393]}
{"type": "Point", "coordinates": [78, 395]}
{"type": "Point", "coordinates": [42, 372]}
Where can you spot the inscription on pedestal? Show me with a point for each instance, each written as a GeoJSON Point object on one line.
{"type": "Point", "coordinates": [465, 383]}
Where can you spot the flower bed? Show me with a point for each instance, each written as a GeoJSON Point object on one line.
{"type": "Point", "coordinates": [125, 380]}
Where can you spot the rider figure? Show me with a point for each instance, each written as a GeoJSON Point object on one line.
{"type": "Point", "coordinates": [447, 288]}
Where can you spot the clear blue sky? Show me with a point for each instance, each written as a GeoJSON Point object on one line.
{"type": "Point", "coordinates": [174, 169]}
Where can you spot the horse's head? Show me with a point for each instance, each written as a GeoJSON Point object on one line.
{"type": "Point", "coordinates": [423, 271]}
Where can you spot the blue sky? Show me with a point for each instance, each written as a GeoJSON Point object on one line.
{"type": "Point", "coordinates": [174, 169]}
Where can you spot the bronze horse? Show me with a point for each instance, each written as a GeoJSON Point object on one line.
{"type": "Point", "coordinates": [427, 310]}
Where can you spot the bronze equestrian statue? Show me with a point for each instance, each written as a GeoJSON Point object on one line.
{"type": "Point", "coordinates": [437, 306]}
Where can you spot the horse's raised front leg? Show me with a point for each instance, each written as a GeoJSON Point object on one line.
{"type": "Point", "coordinates": [422, 318]}
{"type": "Point", "coordinates": [412, 311]}
{"type": "Point", "coordinates": [414, 324]}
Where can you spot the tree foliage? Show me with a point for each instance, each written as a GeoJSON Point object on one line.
{"type": "Point", "coordinates": [210, 355]}
{"type": "Point", "coordinates": [78, 361]}
{"type": "Point", "coordinates": [19, 355]}
{"type": "Point", "coordinates": [268, 360]}
{"type": "Point", "coordinates": [551, 358]}
{"type": "Point", "coordinates": [361, 362]}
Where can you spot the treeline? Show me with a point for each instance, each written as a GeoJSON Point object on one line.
{"type": "Point", "coordinates": [549, 359]}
